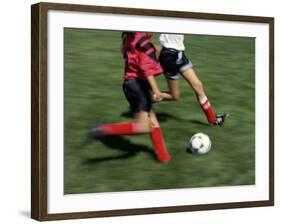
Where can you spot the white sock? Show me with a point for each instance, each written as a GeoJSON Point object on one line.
{"type": "Point", "coordinates": [203, 100]}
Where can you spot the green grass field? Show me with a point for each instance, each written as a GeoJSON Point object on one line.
{"type": "Point", "coordinates": [93, 93]}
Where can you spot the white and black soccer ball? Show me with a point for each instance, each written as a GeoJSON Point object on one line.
{"type": "Point", "coordinates": [200, 144]}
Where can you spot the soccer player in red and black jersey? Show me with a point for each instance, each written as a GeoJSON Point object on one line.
{"type": "Point", "coordinates": [139, 85]}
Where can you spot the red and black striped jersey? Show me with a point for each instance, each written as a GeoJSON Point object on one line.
{"type": "Point", "coordinates": [139, 56]}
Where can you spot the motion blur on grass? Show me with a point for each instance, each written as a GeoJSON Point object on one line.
{"type": "Point", "coordinates": [93, 76]}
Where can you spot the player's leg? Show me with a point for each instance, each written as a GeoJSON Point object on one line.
{"type": "Point", "coordinates": [138, 96]}
{"type": "Point", "coordinates": [190, 76]}
{"type": "Point", "coordinates": [141, 125]}
{"type": "Point", "coordinates": [154, 123]}
{"type": "Point", "coordinates": [167, 59]}
{"type": "Point", "coordinates": [157, 139]}
{"type": "Point", "coordinates": [174, 91]}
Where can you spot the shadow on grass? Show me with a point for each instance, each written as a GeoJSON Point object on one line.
{"type": "Point", "coordinates": [187, 150]}
{"type": "Point", "coordinates": [128, 148]}
{"type": "Point", "coordinates": [198, 122]}
{"type": "Point", "coordinates": [162, 116]}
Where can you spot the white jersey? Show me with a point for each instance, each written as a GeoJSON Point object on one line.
{"type": "Point", "coordinates": [174, 41]}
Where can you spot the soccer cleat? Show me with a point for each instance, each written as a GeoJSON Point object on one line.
{"type": "Point", "coordinates": [220, 118]}
{"type": "Point", "coordinates": [96, 134]}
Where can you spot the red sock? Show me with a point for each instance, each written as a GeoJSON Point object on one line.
{"type": "Point", "coordinates": [159, 145]}
{"type": "Point", "coordinates": [126, 128]}
{"type": "Point", "coordinates": [207, 108]}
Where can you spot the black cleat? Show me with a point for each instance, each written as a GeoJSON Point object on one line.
{"type": "Point", "coordinates": [220, 118]}
{"type": "Point", "coordinates": [96, 134]}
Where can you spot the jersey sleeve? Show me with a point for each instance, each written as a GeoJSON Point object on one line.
{"type": "Point", "coordinates": [149, 66]}
{"type": "Point", "coordinates": [148, 59]}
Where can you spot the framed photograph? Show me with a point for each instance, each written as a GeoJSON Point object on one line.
{"type": "Point", "coordinates": [138, 111]}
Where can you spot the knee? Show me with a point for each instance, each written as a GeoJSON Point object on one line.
{"type": "Point", "coordinates": [155, 124]}
{"type": "Point", "coordinates": [145, 126]}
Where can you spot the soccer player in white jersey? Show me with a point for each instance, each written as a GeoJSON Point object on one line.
{"type": "Point", "coordinates": [174, 62]}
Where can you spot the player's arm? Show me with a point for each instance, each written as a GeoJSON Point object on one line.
{"type": "Point", "coordinates": [150, 65]}
{"type": "Point", "coordinates": [158, 49]}
{"type": "Point", "coordinates": [157, 95]}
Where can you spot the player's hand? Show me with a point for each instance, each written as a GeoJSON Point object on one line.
{"type": "Point", "coordinates": [157, 97]}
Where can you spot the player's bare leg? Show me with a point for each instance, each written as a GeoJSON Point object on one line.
{"type": "Point", "coordinates": [153, 120]}
{"type": "Point", "coordinates": [174, 91]}
{"type": "Point", "coordinates": [172, 94]}
{"type": "Point", "coordinates": [142, 122]}
{"type": "Point", "coordinates": [190, 77]}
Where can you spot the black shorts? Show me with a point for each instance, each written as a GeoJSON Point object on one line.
{"type": "Point", "coordinates": [173, 62]}
{"type": "Point", "coordinates": [138, 94]}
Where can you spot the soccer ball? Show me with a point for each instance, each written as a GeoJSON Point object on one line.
{"type": "Point", "coordinates": [200, 144]}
